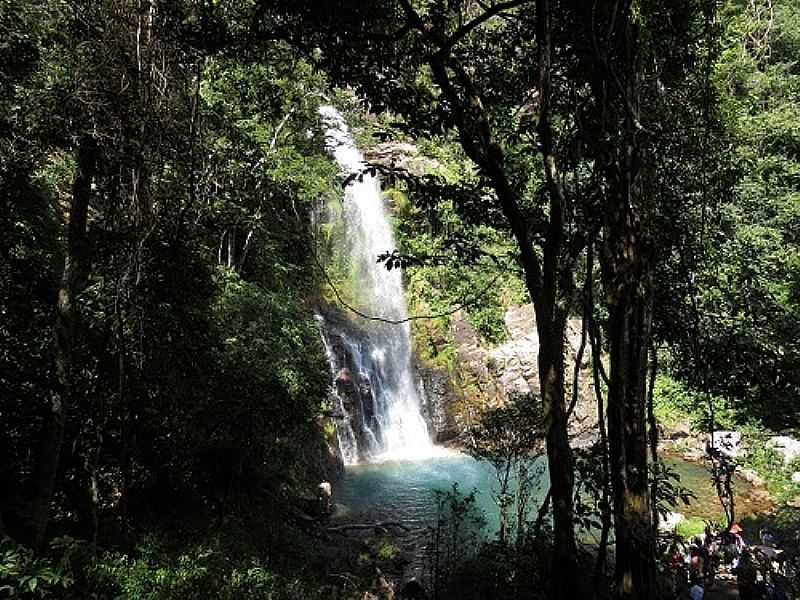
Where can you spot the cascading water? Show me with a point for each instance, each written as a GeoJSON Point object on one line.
{"type": "Point", "coordinates": [377, 397]}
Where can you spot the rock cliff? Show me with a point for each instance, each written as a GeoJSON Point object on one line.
{"type": "Point", "coordinates": [480, 377]}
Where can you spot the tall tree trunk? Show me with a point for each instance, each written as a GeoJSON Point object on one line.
{"type": "Point", "coordinates": [559, 456]}
{"type": "Point", "coordinates": [551, 325]}
{"type": "Point", "coordinates": [652, 425]}
{"type": "Point", "coordinates": [548, 280]}
{"type": "Point", "coordinates": [77, 488]}
{"type": "Point", "coordinates": [627, 277]}
{"type": "Point", "coordinates": [627, 432]}
{"type": "Point", "coordinates": [73, 281]}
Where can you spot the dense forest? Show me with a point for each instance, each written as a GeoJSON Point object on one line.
{"type": "Point", "coordinates": [176, 300]}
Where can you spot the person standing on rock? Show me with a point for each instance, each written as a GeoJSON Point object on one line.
{"type": "Point", "coordinates": [324, 495]}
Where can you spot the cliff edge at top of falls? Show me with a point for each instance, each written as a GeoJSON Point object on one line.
{"type": "Point", "coordinates": [480, 377]}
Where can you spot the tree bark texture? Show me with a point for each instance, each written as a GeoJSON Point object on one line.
{"type": "Point", "coordinates": [627, 434]}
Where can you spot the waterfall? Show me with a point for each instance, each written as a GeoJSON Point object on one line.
{"type": "Point", "coordinates": [377, 398]}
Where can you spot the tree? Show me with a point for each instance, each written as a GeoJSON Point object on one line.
{"type": "Point", "coordinates": [67, 336]}
{"type": "Point", "coordinates": [145, 145]}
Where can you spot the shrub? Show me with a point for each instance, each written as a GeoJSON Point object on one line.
{"type": "Point", "coordinates": [24, 575]}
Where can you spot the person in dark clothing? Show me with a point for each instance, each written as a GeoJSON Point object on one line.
{"type": "Point", "coordinates": [746, 576]}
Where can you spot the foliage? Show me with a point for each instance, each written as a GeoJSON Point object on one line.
{"type": "Point", "coordinates": [772, 467]}
{"type": "Point", "coordinates": [669, 491]}
{"type": "Point", "coordinates": [507, 438]}
{"type": "Point", "coordinates": [387, 550]}
{"type": "Point", "coordinates": [455, 259]}
{"type": "Point", "coordinates": [24, 575]}
{"type": "Point", "coordinates": [674, 400]}
{"type": "Point", "coordinates": [198, 372]}
{"type": "Point", "coordinates": [463, 566]}
{"type": "Point", "coordinates": [746, 315]}
{"type": "Point", "coordinates": [691, 527]}
{"type": "Point", "coordinates": [197, 573]}
{"type": "Point", "coordinates": [591, 489]}
{"type": "Point", "coordinates": [454, 538]}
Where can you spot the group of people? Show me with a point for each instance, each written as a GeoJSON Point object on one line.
{"type": "Point", "coordinates": [695, 565]}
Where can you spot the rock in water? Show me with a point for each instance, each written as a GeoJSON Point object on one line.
{"type": "Point", "coordinates": [728, 443]}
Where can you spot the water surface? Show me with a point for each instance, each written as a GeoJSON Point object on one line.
{"type": "Point", "coordinates": [405, 491]}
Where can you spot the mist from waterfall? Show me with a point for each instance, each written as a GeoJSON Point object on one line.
{"type": "Point", "coordinates": [378, 394]}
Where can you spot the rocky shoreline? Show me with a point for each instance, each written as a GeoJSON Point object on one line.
{"type": "Point", "coordinates": [681, 442]}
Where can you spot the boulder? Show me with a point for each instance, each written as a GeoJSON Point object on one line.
{"type": "Point", "coordinates": [728, 443]}
{"type": "Point", "coordinates": [400, 155]}
{"type": "Point", "coordinates": [751, 476]}
{"type": "Point", "coordinates": [786, 446]}
{"type": "Point", "coordinates": [681, 431]}
{"type": "Point", "coordinates": [441, 403]}
{"type": "Point", "coordinates": [669, 522]}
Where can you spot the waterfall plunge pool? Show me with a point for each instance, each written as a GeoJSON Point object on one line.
{"type": "Point", "coordinates": [405, 491]}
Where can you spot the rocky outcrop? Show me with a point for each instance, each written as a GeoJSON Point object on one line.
{"type": "Point", "coordinates": [445, 423]}
{"type": "Point", "coordinates": [482, 377]}
{"type": "Point", "coordinates": [728, 443]}
{"type": "Point", "coordinates": [320, 458]}
{"type": "Point", "coordinates": [400, 155]}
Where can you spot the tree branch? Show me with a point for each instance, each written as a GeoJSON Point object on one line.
{"type": "Point", "coordinates": [490, 12]}
{"type": "Point", "coordinates": [363, 315]}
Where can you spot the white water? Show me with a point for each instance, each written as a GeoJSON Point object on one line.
{"type": "Point", "coordinates": [394, 428]}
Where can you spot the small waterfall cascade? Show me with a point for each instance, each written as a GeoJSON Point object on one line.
{"type": "Point", "coordinates": [377, 400]}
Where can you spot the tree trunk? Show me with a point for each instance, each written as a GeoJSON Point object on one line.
{"type": "Point", "coordinates": [545, 279]}
{"type": "Point", "coordinates": [559, 456]}
{"type": "Point", "coordinates": [628, 290]}
{"type": "Point", "coordinates": [629, 329]}
{"type": "Point", "coordinates": [551, 326]}
{"type": "Point", "coordinates": [615, 68]}
{"type": "Point", "coordinates": [77, 487]}
{"type": "Point", "coordinates": [73, 281]}
{"type": "Point", "coordinates": [652, 424]}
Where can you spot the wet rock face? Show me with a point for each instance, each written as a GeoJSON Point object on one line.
{"type": "Point", "coordinates": [400, 155]}
{"type": "Point", "coordinates": [440, 398]}
{"type": "Point", "coordinates": [344, 381]}
{"type": "Point", "coordinates": [514, 364]}
{"type": "Point", "coordinates": [484, 377]}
